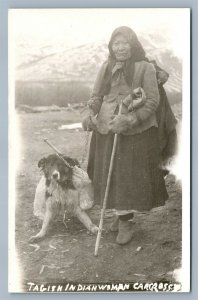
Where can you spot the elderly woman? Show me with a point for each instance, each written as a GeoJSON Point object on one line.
{"type": "Point", "coordinates": [137, 183]}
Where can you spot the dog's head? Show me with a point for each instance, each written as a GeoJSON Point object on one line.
{"type": "Point", "coordinates": [55, 169]}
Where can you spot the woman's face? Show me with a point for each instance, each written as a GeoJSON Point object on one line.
{"type": "Point", "coordinates": [121, 48]}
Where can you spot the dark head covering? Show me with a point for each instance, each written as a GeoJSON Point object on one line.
{"type": "Point", "coordinates": [137, 51]}
{"type": "Point", "coordinates": [137, 54]}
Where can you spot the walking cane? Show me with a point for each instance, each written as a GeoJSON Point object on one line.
{"type": "Point", "coordinates": [107, 189]}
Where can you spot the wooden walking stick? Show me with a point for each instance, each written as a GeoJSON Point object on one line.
{"type": "Point", "coordinates": [107, 190]}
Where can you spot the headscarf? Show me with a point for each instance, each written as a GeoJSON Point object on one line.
{"type": "Point", "coordinates": [137, 54]}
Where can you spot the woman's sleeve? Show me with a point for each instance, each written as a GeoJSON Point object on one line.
{"type": "Point", "coordinates": [150, 87]}
{"type": "Point", "coordinates": [96, 99]}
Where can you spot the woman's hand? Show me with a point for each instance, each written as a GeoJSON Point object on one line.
{"type": "Point", "coordinates": [88, 123]}
{"type": "Point", "coordinates": [122, 123]}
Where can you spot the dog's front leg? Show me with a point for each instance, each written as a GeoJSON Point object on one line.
{"type": "Point", "coordinates": [51, 210]}
{"type": "Point", "coordinates": [84, 218]}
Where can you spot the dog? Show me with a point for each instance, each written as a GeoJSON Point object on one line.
{"type": "Point", "coordinates": [63, 191]}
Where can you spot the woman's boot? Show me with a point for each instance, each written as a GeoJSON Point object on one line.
{"type": "Point", "coordinates": [125, 231]}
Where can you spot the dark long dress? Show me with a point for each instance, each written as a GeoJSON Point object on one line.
{"type": "Point", "coordinates": [137, 182]}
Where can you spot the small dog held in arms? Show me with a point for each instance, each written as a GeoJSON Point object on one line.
{"type": "Point", "coordinates": [63, 187]}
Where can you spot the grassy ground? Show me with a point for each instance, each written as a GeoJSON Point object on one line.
{"type": "Point", "coordinates": [66, 255]}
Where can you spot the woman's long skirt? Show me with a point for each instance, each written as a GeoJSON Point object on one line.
{"type": "Point", "coordinates": [137, 183]}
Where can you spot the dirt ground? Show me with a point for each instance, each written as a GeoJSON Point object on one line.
{"type": "Point", "coordinates": [66, 255]}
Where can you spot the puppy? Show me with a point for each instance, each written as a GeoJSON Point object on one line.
{"type": "Point", "coordinates": [61, 192]}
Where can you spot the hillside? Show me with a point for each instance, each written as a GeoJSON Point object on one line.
{"type": "Point", "coordinates": [81, 64]}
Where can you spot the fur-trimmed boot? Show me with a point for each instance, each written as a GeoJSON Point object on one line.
{"type": "Point", "coordinates": [125, 230]}
{"type": "Point", "coordinates": [115, 224]}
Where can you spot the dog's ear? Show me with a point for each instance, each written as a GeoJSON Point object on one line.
{"type": "Point", "coordinates": [76, 162]}
{"type": "Point", "coordinates": [42, 162]}
{"type": "Point", "coordinates": [72, 161]}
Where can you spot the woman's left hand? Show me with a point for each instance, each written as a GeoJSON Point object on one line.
{"type": "Point", "coordinates": [122, 123]}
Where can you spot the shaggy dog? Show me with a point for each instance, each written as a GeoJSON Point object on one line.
{"type": "Point", "coordinates": [62, 189]}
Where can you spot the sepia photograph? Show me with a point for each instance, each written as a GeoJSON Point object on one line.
{"type": "Point", "coordinates": [99, 150]}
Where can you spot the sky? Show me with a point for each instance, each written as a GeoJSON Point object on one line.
{"type": "Point", "coordinates": [74, 27]}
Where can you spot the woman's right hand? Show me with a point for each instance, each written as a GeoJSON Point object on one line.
{"type": "Point", "coordinates": [88, 124]}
